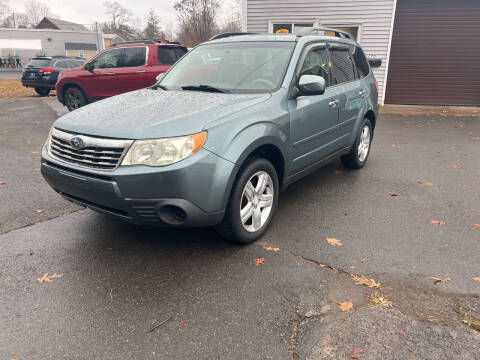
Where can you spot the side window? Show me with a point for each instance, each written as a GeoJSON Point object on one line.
{"type": "Point", "coordinates": [166, 55]}
{"type": "Point", "coordinates": [361, 62]}
{"type": "Point", "coordinates": [108, 60]}
{"type": "Point", "coordinates": [342, 64]}
{"type": "Point", "coordinates": [134, 56]}
{"type": "Point", "coordinates": [75, 63]}
{"type": "Point", "coordinates": [179, 52]}
{"type": "Point", "coordinates": [316, 63]}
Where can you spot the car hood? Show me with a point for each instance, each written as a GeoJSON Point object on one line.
{"type": "Point", "coordinates": [151, 113]}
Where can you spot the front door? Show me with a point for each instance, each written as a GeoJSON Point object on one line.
{"type": "Point", "coordinates": [134, 73]}
{"type": "Point", "coordinates": [314, 118]}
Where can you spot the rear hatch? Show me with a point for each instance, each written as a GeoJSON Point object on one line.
{"type": "Point", "coordinates": [32, 72]}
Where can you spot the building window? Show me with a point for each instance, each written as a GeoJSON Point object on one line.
{"type": "Point", "coordinates": [291, 27]}
{"type": "Point", "coordinates": [81, 53]}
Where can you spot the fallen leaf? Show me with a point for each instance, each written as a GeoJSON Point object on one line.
{"type": "Point", "coordinates": [362, 260]}
{"type": "Point", "coordinates": [109, 248]}
{"type": "Point", "coordinates": [425, 183]}
{"type": "Point", "coordinates": [323, 265]}
{"type": "Point", "coordinates": [259, 261]}
{"type": "Point", "coordinates": [35, 152]}
{"type": "Point", "coordinates": [437, 222]}
{"type": "Point", "coordinates": [49, 279]}
{"type": "Point", "coordinates": [269, 248]}
{"type": "Point", "coordinates": [395, 133]}
{"type": "Point", "coordinates": [356, 353]}
{"type": "Point", "coordinates": [394, 145]}
{"type": "Point", "coordinates": [3, 183]}
{"type": "Point", "coordinates": [39, 211]}
{"type": "Point", "coordinates": [467, 187]}
{"type": "Point", "coordinates": [338, 172]}
{"type": "Point", "coordinates": [405, 122]}
{"type": "Point", "coordinates": [183, 321]}
{"type": "Point", "coordinates": [394, 194]}
{"type": "Point", "coordinates": [420, 126]}
{"type": "Point", "coordinates": [454, 166]}
{"type": "Point", "coordinates": [476, 138]}
{"type": "Point", "coordinates": [36, 307]}
{"type": "Point", "coordinates": [362, 280]}
{"type": "Point", "coordinates": [333, 241]}
{"type": "Point", "coordinates": [437, 280]}
{"type": "Point", "coordinates": [476, 226]}
{"type": "Point", "coordinates": [401, 332]}
{"type": "Point", "coordinates": [345, 306]}
{"type": "Point", "coordinates": [380, 300]}
{"type": "Point", "coordinates": [476, 278]}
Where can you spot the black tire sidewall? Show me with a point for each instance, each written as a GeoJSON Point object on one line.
{"type": "Point", "coordinates": [42, 92]}
{"type": "Point", "coordinates": [253, 166]}
{"type": "Point", "coordinates": [79, 92]}
{"type": "Point", "coordinates": [353, 156]}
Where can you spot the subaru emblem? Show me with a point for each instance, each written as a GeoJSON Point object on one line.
{"type": "Point", "coordinates": [77, 143]}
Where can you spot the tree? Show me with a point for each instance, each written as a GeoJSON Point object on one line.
{"type": "Point", "coordinates": [196, 20]}
{"type": "Point", "coordinates": [17, 20]}
{"type": "Point", "coordinates": [36, 10]}
{"type": "Point", "coordinates": [231, 15]}
{"type": "Point", "coordinates": [153, 29]}
{"type": "Point", "coordinates": [120, 21]}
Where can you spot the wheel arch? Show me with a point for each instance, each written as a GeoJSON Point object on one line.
{"type": "Point", "coordinates": [68, 85]}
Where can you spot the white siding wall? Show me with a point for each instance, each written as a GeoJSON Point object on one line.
{"type": "Point", "coordinates": [373, 16]}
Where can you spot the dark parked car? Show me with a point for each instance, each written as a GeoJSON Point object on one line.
{"type": "Point", "coordinates": [118, 69]}
{"type": "Point", "coordinates": [41, 73]}
{"type": "Point", "coordinates": [215, 140]}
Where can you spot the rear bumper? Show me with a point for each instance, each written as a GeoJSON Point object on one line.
{"type": "Point", "coordinates": [39, 83]}
{"type": "Point", "coordinates": [176, 199]}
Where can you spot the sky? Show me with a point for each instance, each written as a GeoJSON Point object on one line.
{"type": "Point", "coordinates": [89, 11]}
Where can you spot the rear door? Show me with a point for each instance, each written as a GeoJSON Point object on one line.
{"type": "Point", "coordinates": [350, 94]}
{"type": "Point", "coordinates": [133, 73]}
{"type": "Point", "coordinates": [314, 118]}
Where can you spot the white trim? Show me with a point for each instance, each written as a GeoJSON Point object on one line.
{"type": "Point", "coordinates": [243, 15]}
{"type": "Point", "coordinates": [292, 22]}
{"type": "Point", "coordinates": [47, 30]}
{"type": "Point", "coordinates": [352, 25]}
{"type": "Point", "coordinates": [385, 76]}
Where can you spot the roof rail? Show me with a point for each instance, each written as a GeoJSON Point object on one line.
{"type": "Point", "coordinates": [319, 30]}
{"type": "Point", "coordinates": [228, 34]}
{"type": "Point", "coordinates": [141, 41]}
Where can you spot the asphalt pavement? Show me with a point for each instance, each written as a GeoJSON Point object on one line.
{"type": "Point", "coordinates": [129, 292]}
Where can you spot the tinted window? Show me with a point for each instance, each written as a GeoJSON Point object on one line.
{"type": "Point", "coordinates": [39, 63]}
{"type": "Point", "coordinates": [75, 63]}
{"type": "Point", "coordinates": [316, 63]}
{"type": "Point", "coordinates": [342, 64]}
{"type": "Point", "coordinates": [167, 56]}
{"type": "Point", "coordinates": [179, 52]}
{"type": "Point", "coordinates": [134, 56]}
{"type": "Point", "coordinates": [62, 64]}
{"type": "Point", "coordinates": [107, 60]}
{"type": "Point", "coordinates": [361, 62]}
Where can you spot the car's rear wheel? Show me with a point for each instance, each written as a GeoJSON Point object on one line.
{"type": "Point", "coordinates": [74, 98]}
{"type": "Point", "coordinates": [252, 203]}
{"type": "Point", "coordinates": [358, 156]}
{"type": "Point", "coordinates": [42, 91]}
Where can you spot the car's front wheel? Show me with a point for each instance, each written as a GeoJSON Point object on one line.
{"type": "Point", "coordinates": [74, 99]}
{"type": "Point", "coordinates": [252, 203]}
{"type": "Point", "coordinates": [42, 91]}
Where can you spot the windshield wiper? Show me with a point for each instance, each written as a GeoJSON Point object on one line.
{"type": "Point", "coordinates": [207, 88]}
{"type": "Point", "coordinates": [157, 86]}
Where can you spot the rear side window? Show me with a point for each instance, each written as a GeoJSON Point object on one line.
{"type": "Point", "coordinates": [39, 63]}
{"type": "Point", "coordinates": [342, 64]}
{"type": "Point", "coordinates": [361, 62]}
{"type": "Point", "coordinates": [61, 64]}
{"type": "Point", "coordinates": [316, 63]}
{"type": "Point", "coordinates": [169, 55]}
{"type": "Point", "coordinates": [134, 56]}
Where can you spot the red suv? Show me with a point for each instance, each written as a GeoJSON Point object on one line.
{"type": "Point", "coordinates": [120, 68]}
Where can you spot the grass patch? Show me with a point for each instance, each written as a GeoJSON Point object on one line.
{"type": "Point", "coordinates": [14, 87]}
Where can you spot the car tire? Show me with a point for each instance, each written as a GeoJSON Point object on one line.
{"type": "Point", "coordinates": [42, 91]}
{"type": "Point", "coordinates": [74, 99]}
{"type": "Point", "coordinates": [358, 156]}
{"type": "Point", "coordinates": [255, 195]}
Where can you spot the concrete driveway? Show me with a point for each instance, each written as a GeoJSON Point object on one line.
{"type": "Point", "coordinates": [128, 292]}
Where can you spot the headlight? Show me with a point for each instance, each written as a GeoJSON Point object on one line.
{"type": "Point", "coordinates": [162, 152]}
{"type": "Point", "coordinates": [49, 139]}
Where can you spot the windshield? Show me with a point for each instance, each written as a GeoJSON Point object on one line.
{"type": "Point", "coordinates": [239, 67]}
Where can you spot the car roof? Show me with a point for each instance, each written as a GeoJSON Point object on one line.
{"type": "Point", "coordinates": [280, 38]}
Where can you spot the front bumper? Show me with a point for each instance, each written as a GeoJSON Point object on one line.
{"type": "Point", "coordinates": [190, 193]}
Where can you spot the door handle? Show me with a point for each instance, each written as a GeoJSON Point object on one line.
{"type": "Point", "coordinates": [111, 73]}
{"type": "Point", "coordinates": [141, 72]}
{"type": "Point", "coordinates": [362, 92]}
{"type": "Point", "coordinates": [333, 103]}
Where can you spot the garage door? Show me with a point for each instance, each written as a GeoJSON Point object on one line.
{"type": "Point", "coordinates": [435, 53]}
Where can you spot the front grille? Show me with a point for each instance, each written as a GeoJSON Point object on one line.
{"type": "Point", "coordinates": [97, 153]}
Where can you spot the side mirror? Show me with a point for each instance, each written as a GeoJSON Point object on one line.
{"type": "Point", "coordinates": [375, 62]}
{"type": "Point", "coordinates": [88, 66]}
{"type": "Point", "coordinates": [159, 77]}
{"type": "Point", "coordinates": [312, 85]}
